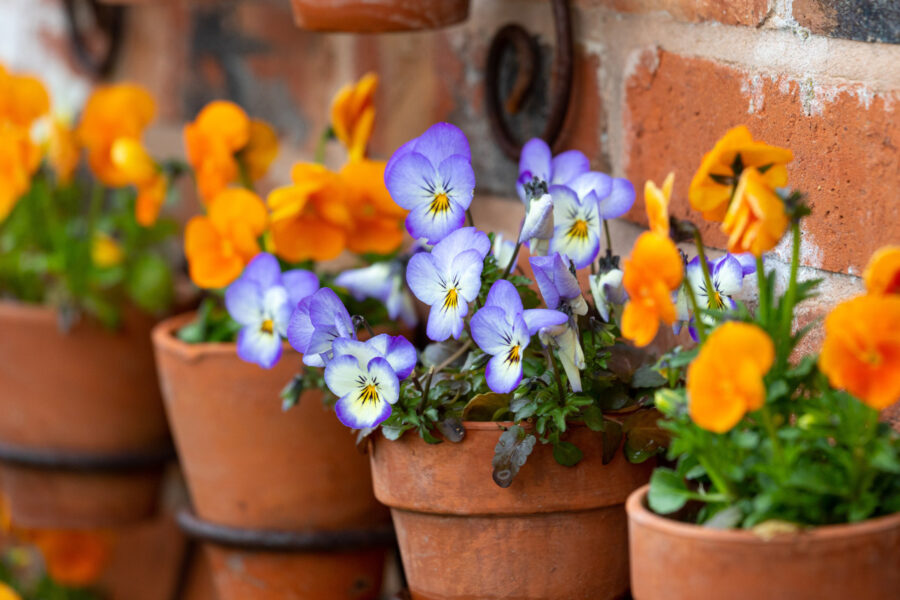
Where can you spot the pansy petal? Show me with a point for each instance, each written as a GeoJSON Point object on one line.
{"type": "Point", "coordinates": [388, 384]}
{"type": "Point", "coordinates": [458, 179]}
{"type": "Point", "coordinates": [411, 180]}
{"type": "Point", "coordinates": [539, 219]}
{"type": "Point", "coordinates": [446, 321]}
{"type": "Point", "coordinates": [543, 274]}
{"type": "Point", "coordinates": [367, 282]}
{"type": "Point", "coordinates": [442, 140]}
{"type": "Point", "coordinates": [748, 262]}
{"type": "Point", "coordinates": [258, 346]}
{"type": "Point", "coordinates": [503, 375]}
{"type": "Point", "coordinates": [491, 329]}
{"type": "Point", "coordinates": [299, 284]}
{"type": "Point", "coordinates": [466, 271]}
{"type": "Point", "coordinates": [342, 374]}
{"type": "Point", "coordinates": [424, 279]}
{"type": "Point", "coordinates": [566, 202]}
{"type": "Point", "coordinates": [263, 270]}
{"type": "Point", "coordinates": [582, 251]}
{"type": "Point", "coordinates": [326, 307]}
{"type": "Point", "coordinates": [568, 165]}
{"type": "Point", "coordinates": [401, 355]}
{"type": "Point", "coordinates": [243, 299]}
{"type": "Point", "coordinates": [355, 414]}
{"type": "Point", "coordinates": [538, 318]}
{"type": "Point", "coordinates": [592, 181]}
{"type": "Point", "coordinates": [503, 294]}
{"type": "Point", "coordinates": [534, 161]}
{"type": "Point", "coordinates": [728, 275]}
{"type": "Point", "coordinates": [467, 238]}
{"type": "Point", "coordinates": [277, 307]}
{"type": "Point", "coordinates": [397, 155]}
{"type": "Point", "coordinates": [300, 328]}
{"type": "Point", "coordinates": [619, 200]}
{"type": "Point", "coordinates": [361, 351]}
{"type": "Point", "coordinates": [434, 226]}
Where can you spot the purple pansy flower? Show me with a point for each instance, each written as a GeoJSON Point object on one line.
{"type": "Point", "coordinates": [503, 329]}
{"type": "Point", "coordinates": [384, 282]}
{"type": "Point", "coordinates": [315, 324]}
{"type": "Point", "coordinates": [726, 275]}
{"type": "Point", "coordinates": [607, 289]}
{"type": "Point", "coordinates": [365, 376]}
{"type": "Point", "coordinates": [448, 278]}
{"type": "Point", "coordinates": [536, 160]}
{"type": "Point", "coordinates": [432, 177]}
{"type": "Point", "coordinates": [260, 300]}
{"type": "Point", "coordinates": [576, 226]}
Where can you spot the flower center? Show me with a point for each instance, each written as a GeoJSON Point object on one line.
{"type": "Point", "coordinates": [368, 394]}
{"type": "Point", "coordinates": [267, 326]}
{"type": "Point", "coordinates": [578, 230]}
{"type": "Point", "coordinates": [871, 358]}
{"type": "Point", "coordinates": [716, 301]}
{"type": "Point", "coordinates": [451, 300]}
{"type": "Point", "coordinates": [513, 356]}
{"type": "Point", "coordinates": [439, 204]}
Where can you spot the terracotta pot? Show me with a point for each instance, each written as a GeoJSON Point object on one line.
{"type": "Point", "coordinates": [682, 561]}
{"type": "Point", "coordinates": [251, 465]}
{"type": "Point", "coordinates": [90, 392]}
{"type": "Point", "coordinates": [368, 16]}
{"type": "Point", "coordinates": [556, 533]}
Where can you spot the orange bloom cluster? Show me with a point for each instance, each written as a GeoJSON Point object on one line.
{"type": "Point", "coordinates": [225, 146]}
{"type": "Point", "coordinates": [861, 351]}
{"type": "Point", "coordinates": [756, 218]}
{"type": "Point", "coordinates": [23, 100]}
{"type": "Point", "coordinates": [111, 129]}
{"type": "Point", "coordinates": [353, 115]}
{"type": "Point", "coordinates": [219, 244]}
{"type": "Point", "coordinates": [725, 381]}
{"type": "Point", "coordinates": [656, 201]}
{"type": "Point", "coordinates": [72, 557]}
{"type": "Point", "coordinates": [652, 272]}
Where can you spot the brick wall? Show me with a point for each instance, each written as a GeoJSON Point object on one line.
{"type": "Point", "coordinates": [656, 83]}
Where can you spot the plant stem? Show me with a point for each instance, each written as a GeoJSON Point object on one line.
{"type": "Point", "coordinates": [701, 254]}
{"type": "Point", "coordinates": [787, 307]}
{"type": "Point", "coordinates": [720, 482]}
{"type": "Point", "coordinates": [762, 284]}
{"type": "Point", "coordinates": [608, 237]}
{"type": "Point", "coordinates": [470, 217]}
{"type": "Point", "coordinates": [698, 320]}
{"type": "Point", "coordinates": [326, 136]}
{"type": "Point", "coordinates": [512, 261]}
{"type": "Point", "coordinates": [559, 385]}
{"type": "Point", "coordinates": [449, 360]}
{"type": "Point", "coordinates": [773, 435]}
{"type": "Point", "coordinates": [425, 393]}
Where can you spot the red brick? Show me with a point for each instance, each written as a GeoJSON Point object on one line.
{"type": "Point", "coordinates": [729, 12]}
{"type": "Point", "coordinates": [586, 120]}
{"type": "Point", "coordinates": [845, 141]}
{"type": "Point", "coordinates": [862, 20]}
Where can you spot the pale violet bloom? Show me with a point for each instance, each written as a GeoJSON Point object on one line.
{"type": "Point", "coordinates": [448, 278]}
{"type": "Point", "coordinates": [576, 226]}
{"type": "Point", "coordinates": [261, 300]}
{"type": "Point", "coordinates": [384, 282]}
{"type": "Point", "coordinates": [568, 349]}
{"type": "Point", "coordinates": [537, 229]}
{"type": "Point", "coordinates": [536, 161]}
{"type": "Point", "coordinates": [503, 250]}
{"type": "Point", "coordinates": [365, 376]}
{"type": "Point", "coordinates": [607, 290]}
{"type": "Point", "coordinates": [315, 324]}
{"type": "Point", "coordinates": [503, 329]}
{"type": "Point", "coordinates": [726, 275]}
{"type": "Point", "coordinates": [432, 177]}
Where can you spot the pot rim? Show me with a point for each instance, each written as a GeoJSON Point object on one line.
{"type": "Point", "coordinates": [639, 513]}
{"type": "Point", "coordinates": [36, 312]}
{"type": "Point", "coordinates": [164, 339]}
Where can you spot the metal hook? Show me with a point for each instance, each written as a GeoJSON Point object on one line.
{"type": "Point", "coordinates": [109, 21]}
{"type": "Point", "coordinates": [528, 59]}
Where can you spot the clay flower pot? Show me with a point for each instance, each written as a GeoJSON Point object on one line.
{"type": "Point", "coordinates": [555, 533]}
{"type": "Point", "coordinates": [681, 561]}
{"type": "Point", "coordinates": [83, 434]}
{"type": "Point", "coordinates": [256, 471]}
{"type": "Point", "coordinates": [368, 16]}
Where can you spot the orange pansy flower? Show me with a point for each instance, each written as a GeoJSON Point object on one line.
{"type": "Point", "coordinates": [310, 218]}
{"type": "Point", "coordinates": [353, 115]}
{"type": "Point", "coordinates": [113, 112]}
{"type": "Point", "coordinates": [23, 99]}
{"type": "Point", "coordinates": [72, 557]}
{"type": "Point", "coordinates": [220, 244]}
{"type": "Point", "coordinates": [220, 130]}
{"type": "Point", "coordinates": [712, 186]}
{"type": "Point", "coordinates": [652, 272]}
{"type": "Point", "coordinates": [7, 593]}
{"type": "Point", "coordinates": [756, 219]}
{"type": "Point", "coordinates": [63, 151]}
{"type": "Point", "coordinates": [261, 149]}
{"type": "Point", "coordinates": [656, 201]}
{"type": "Point", "coordinates": [140, 170]}
{"type": "Point", "coordinates": [726, 379]}
{"type": "Point", "coordinates": [861, 351]}
{"type": "Point", "coordinates": [882, 274]}
{"type": "Point", "coordinates": [377, 220]}
{"type": "Point", "coordinates": [20, 157]}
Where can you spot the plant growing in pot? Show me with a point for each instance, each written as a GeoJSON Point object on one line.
{"type": "Point", "coordinates": [508, 426]}
{"type": "Point", "coordinates": [83, 435]}
{"type": "Point", "coordinates": [279, 489]}
{"type": "Point", "coordinates": [785, 484]}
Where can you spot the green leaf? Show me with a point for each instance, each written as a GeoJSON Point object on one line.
{"type": "Point", "coordinates": [647, 377]}
{"type": "Point", "coordinates": [612, 439]}
{"type": "Point", "coordinates": [593, 418]}
{"type": "Point", "coordinates": [668, 492]}
{"type": "Point", "coordinates": [290, 394]}
{"type": "Point", "coordinates": [567, 454]}
{"type": "Point", "coordinates": [643, 436]}
{"type": "Point", "coordinates": [510, 453]}
{"type": "Point", "coordinates": [393, 433]}
{"type": "Point", "coordinates": [483, 407]}
{"type": "Point", "coordinates": [452, 429]}
{"type": "Point", "coordinates": [149, 283]}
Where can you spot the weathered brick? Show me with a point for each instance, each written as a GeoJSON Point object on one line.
{"type": "Point", "coordinates": [845, 140]}
{"type": "Point", "coordinates": [729, 12]}
{"type": "Point", "coordinates": [585, 123]}
{"type": "Point", "coordinates": [862, 20]}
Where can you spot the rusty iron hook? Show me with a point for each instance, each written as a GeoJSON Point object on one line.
{"type": "Point", "coordinates": [108, 20]}
{"type": "Point", "coordinates": [528, 66]}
